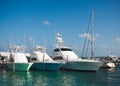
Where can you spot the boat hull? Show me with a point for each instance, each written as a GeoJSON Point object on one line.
{"type": "Point", "coordinates": [46, 66]}
{"type": "Point", "coordinates": [19, 66]}
{"type": "Point", "coordinates": [82, 65]}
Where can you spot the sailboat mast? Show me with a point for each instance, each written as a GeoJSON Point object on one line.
{"type": "Point", "coordinates": [92, 35]}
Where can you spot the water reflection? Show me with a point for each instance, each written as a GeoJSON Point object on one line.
{"type": "Point", "coordinates": [3, 77]}
{"type": "Point", "coordinates": [39, 78]}
{"type": "Point", "coordinates": [64, 79]}
{"type": "Point", "coordinates": [20, 78]}
{"type": "Point", "coordinates": [104, 77]}
{"type": "Point", "coordinates": [111, 70]}
{"type": "Point", "coordinates": [47, 78]}
{"type": "Point", "coordinates": [110, 76]}
{"type": "Point", "coordinates": [68, 80]}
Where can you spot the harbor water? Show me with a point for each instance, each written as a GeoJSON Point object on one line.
{"type": "Point", "coordinates": [103, 77]}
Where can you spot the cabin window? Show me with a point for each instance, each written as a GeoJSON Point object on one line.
{"type": "Point", "coordinates": [58, 58]}
{"type": "Point", "coordinates": [34, 59]}
{"type": "Point", "coordinates": [62, 49]}
{"type": "Point", "coordinates": [57, 50]}
{"type": "Point", "coordinates": [65, 49]}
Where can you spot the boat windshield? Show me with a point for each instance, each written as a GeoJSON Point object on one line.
{"type": "Point", "coordinates": [62, 49]}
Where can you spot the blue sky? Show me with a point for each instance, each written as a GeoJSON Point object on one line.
{"type": "Point", "coordinates": [38, 20]}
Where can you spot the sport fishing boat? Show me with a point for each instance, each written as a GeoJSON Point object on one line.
{"type": "Point", "coordinates": [17, 59]}
{"type": "Point", "coordinates": [42, 61]}
{"type": "Point", "coordinates": [72, 61]}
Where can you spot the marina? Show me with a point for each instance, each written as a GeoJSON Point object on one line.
{"type": "Point", "coordinates": [64, 68]}
{"type": "Point", "coordinates": [59, 43]}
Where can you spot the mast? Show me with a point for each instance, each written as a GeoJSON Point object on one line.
{"type": "Point", "coordinates": [89, 39]}
{"type": "Point", "coordinates": [92, 35]}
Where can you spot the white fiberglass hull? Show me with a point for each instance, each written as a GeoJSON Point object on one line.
{"type": "Point", "coordinates": [82, 65]}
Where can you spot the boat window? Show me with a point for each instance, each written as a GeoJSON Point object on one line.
{"type": "Point", "coordinates": [11, 59]}
{"type": "Point", "coordinates": [65, 49]}
{"type": "Point", "coordinates": [34, 59]}
{"type": "Point", "coordinates": [57, 50]}
{"type": "Point", "coordinates": [62, 49]}
{"type": "Point", "coordinates": [58, 58]}
{"type": "Point", "coordinates": [28, 58]}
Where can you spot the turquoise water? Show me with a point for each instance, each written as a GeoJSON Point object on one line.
{"type": "Point", "coordinates": [103, 77]}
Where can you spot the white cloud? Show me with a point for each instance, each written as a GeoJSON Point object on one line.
{"type": "Point", "coordinates": [117, 40]}
{"type": "Point", "coordinates": [97, 35]}
{"type": "Point", "coordinates": [75, 47]}
{"type": "Point", "coordinates": [47, 23]}
{"type": "Point", "coordinates": [103, 46]}
{"type": "Point", "coordinates": [29, 38]}
{"type": "Point", "coordinates": [88, 36]}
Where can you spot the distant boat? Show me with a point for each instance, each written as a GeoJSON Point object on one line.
{"type": "Point", "coordinates": [113, 57]}
{"type": "Point", "coordinates": [108, 65]}
{"type": "Point", "coordinates": [42, 61]}
{"type": "Point", "coordinates": [17, 60]}
{"type": "Point", "coordinates": [72, 61]}
{"type": "Point", "coordinates": [109, 61]}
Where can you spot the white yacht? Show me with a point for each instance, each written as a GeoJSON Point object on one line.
{"type": "Point", "coordinates": [42, 61]}
{"type": "Point", "coordinates": [72, 61]}
{"type": "Point", "coordinates": [17, 59]}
